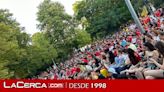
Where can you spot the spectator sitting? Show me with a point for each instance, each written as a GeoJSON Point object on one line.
{"type": "Point", "coordinates": [158, 73]}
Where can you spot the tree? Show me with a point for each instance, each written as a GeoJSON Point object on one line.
{"type": "Point", "coordinates": [157, 3]}
{"type": "Point", "coordinates": [10, 51]}
{"type": "Point", "coordinates": [20, 55]}
{"type": "Point", "coordinates": [7, 19]}
{"type": "Point", "coordinates": [6, 46]}
{"type": "Point", "coordinates": [103, 16]}
{"type": "Point", "coordinates": [39, 40]}
{"type": "Point", "coordinates": [53, 20]}
{"type": "Point", "coordinates": [82, 38]}
{"type": "Point", "coordinates": [57, 26]}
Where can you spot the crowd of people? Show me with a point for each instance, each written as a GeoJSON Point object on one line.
{"type": "Point", "coordinates": [127, 54]}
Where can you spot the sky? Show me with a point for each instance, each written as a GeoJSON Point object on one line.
{"type": "Point", "coordinates": [24, 11]}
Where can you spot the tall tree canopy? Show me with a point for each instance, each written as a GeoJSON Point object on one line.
{"type": "Point", "coordinates": [20, 55]}
{"type": "Point", "coordinates": [58, 27]}
{"type": "Point", "coordinates": [102, 16]}
{"type": "Point", "coordinates": [12, 43]}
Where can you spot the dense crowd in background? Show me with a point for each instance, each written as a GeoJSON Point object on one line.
{"type": "Point", "coordinates": [127, 54]}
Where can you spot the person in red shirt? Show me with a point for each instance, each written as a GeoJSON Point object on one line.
{"type": "Point", "coordinates": [97, 53]}
{"type": "Point", "coordinates": [85, 60]}
{"type": "Point", "coordinates": [73, 70]}
{"type": "Point", "coordinates": [77, 69]}
{"type": "Point", "coordinates": [146, 20]}
{"type": "Point", "coordinates": [130, 38]}
{"type": "Point", "coordinates": [68, 72]}
{"type": "Point", "coordinates": [115, 51]}
{"type": "Point", "coordinates": [158, 23]}
{"type": "Point", "coordinates": [138, 33]}
{"type": "Point", "coordinates": [157, 13]}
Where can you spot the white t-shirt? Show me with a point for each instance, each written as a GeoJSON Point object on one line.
{"type": "Point", "coordinates": [162, 26]}
{"type": "Point", "coordinates": [134, 40]}
{"type": "Point", "coordinates": [89, 68]}
{"type": "Point", "coordinates": [153, 19]}
{"type": "Point", "coordinates": [156, 38]}
{"type": "Point", "coordinates": [153, 8]}
{"type": "Point", "coordinates": [132, 27]}
{"type": "Point", "coordinates": [111, 48]}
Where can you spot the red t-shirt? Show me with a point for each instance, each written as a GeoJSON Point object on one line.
{"type": "Point", "coordinates": [85, 60]}
{"type": "Point", "coordinates": [55, 76]}
{"type": "Point", "coordinates": [73, 70]}
{"type": "Point", "coordinates": [138, 32]}
{"type": "Point", "coordinates": [137, 56]}
{"type": "Point", "coordinates": [146, 20]}
{"type": "Point", "coordinates": [157, 13]}
{"type": "Point", "coordinates": [97, 53]}
{"type": "Point", "coordinates": [115, 52]}
{"type": "Point", "coordinates": [68, 72]}
{"type": "Point", "coordinates": [130, 38]}
{"type": "Point", "coordinates": [159, 23]}
{"type": "Point", "coordinates": [78, 70]}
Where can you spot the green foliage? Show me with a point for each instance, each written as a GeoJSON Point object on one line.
{"type": "Point", "coordinates": [103, 16]}
{"type": "Point", "coordinates": [7, 45]}
{"type": "Point", "coordinates": [39, 40]}
{"type": "Point", "coordinates": [6, 18]}
{"type": "Point", "coordinates": [53, 20]}
{"type": "Point", "coordinates": [82, 38]}
{"type": "Point", "coordinates": [157, 3]}
{"type": "Point", "coordinates": [20, 55]}
{"type": "Point", "coordinates": [60, 29]}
